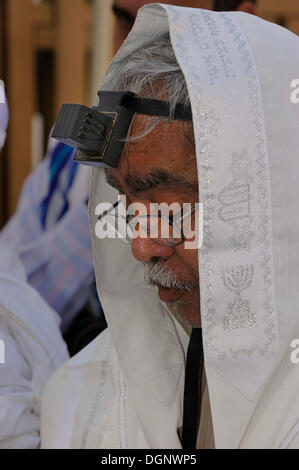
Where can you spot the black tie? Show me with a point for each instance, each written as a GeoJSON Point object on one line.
{"type": "Point", "coordinates": [192, 391]}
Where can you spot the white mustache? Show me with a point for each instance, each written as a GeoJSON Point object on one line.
{"type": "Point", "coordinates": [155, 272]}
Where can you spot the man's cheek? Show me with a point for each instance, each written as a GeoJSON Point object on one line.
{"type": "Point", "coordinates": [189, 261]}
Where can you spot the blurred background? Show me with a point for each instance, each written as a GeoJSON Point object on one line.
{"type": "Point", "coordinates": [56, 51]}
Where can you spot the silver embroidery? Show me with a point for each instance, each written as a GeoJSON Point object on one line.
{"type": "Point", "coordinates": [263, 197]}
{"type": "Point", "coordinates": [242, 239]}
{"type": "Point", "coordinates": [236, 279]}
{"type": "Point", "coordinates": [235, 203]}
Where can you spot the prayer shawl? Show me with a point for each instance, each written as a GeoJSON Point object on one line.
{"type": "Point", "coordinates": [31, 348]}
{"type": "Point", "coordinates": [125, 390]}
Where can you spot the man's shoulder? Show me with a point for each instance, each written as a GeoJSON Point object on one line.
{"type": "Point", "coordinates": [98, 351]}
{"type": "Point", "coordinates": [71, 371]}
{"type": "Point", "coordinates": [69, 389]}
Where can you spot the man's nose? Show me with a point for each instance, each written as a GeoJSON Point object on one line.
{"type": "Point", "coordinates": [144, 249]}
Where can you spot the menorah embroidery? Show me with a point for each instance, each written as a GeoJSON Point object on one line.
{"type": "Point", "coordinates": [237, 279]}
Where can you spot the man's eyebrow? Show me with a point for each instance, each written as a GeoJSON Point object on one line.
{"type": "Point", "coordinates": [158, 177]}
{"type": "Point", "coordinates": [161, 178]}
{"type": "Point", "coordinates": [123, 14]}
{"type": "Point", "coordinates": [112, 181]}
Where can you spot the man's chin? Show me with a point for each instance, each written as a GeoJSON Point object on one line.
{"type": "Point", "coordinates": [187, 312]}
{"type": "Point", "coordinates": [182, 305]}
{"type": "Point", "coordinates": [169, 295]}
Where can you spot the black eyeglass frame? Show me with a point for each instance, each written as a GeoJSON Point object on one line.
{"type": "Point", "coordinates": [172, 220]}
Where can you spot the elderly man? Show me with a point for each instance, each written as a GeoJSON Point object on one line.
{"type": "Point", "coordinates": [51, 234]}
{"type": "Point", "coordinates": [50, 228]}
{"type": "Point", "coordinates": [201, 356]}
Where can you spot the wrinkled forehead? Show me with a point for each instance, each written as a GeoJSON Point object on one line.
{"type": "Point", "coordinates": [152, 147]}
{"type": "Point", "coordinates": [163, 140]}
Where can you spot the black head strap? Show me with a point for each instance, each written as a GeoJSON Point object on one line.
{"type": "Point", "coordinates": [99, 133]}
{"type": "Point", "coordinates": [159, 108]}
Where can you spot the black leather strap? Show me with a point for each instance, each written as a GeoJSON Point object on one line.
{"type": "Point", "coordinates": [192, 392]}
{"type": "Point", "coordinates": [156, 108]}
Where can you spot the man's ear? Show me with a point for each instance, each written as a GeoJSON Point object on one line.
{"type": "Point", "coordinates": [248, 7]}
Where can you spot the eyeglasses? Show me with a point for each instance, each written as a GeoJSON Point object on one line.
{"type": "Point", "coordinates": [170, 230]}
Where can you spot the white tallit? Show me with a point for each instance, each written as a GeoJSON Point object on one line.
{"type": "Point", "coordinates": [31, 345]}
{"type": "Point", "coordinates": [33, 348]}
{"type": "Point", "coordinates": [125, 390]}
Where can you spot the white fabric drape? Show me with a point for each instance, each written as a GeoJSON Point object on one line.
{"type": "Point", "coordinates": [238, 70]}
{"type": "Point", "coordinates": [33, 349]}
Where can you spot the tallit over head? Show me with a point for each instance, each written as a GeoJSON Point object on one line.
{"type": "Point", "coordinates": [238, 70]}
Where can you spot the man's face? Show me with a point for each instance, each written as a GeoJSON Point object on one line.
{"type": "Point", "coordinates": [161, 168]}
{"type": "Point", "coordinates": [126, 12]}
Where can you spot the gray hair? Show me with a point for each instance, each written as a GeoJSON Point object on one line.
{"type": "Point", "coordinates": [152, 72]}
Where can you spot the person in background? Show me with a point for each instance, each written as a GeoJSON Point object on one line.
{"type": "Point", "coordinates": [30, 341]}
{"type": "Point", "coordinates": [50, 229]}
